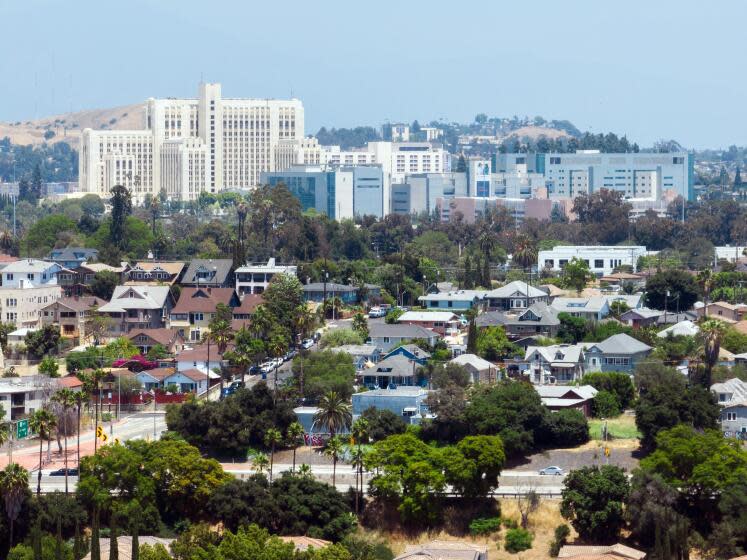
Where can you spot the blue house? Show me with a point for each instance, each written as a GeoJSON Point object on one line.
{"type": "Point", "coordinates": [619, 352]}
{"type": "Point", "coordinates": [186, 381]}
{"type": "Point", "coordinates": [73, 257]}
{"type": "Point", "coordinates": [362, 354]}
{"type": "Point", "coordinates": [457, 300]}
{"type": "Point", "coordinates": [393, 371]}
{"type": "Point", "coordinates": [315, 291]}
{"type": "Point", "coordinates": [411, 352]}
{"type": "Point", "coordinates": [407, 402]}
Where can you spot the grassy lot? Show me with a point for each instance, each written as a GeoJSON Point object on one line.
{"type": "Point", "coordinates": [542, 524]}
{"type": "Point", "coordinates": [622, 427]}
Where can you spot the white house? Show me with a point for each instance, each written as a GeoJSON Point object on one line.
{"type": "Point", "coordinates": [254, 278]}
{"type": "Point", "coordinates": [560, 363]}
{"type": "Point", "coordinates": [33, 271]}
{"type": "Point", "coordinates": [602, 259]}
{"type": "Point", "coordinates": [594, 308]}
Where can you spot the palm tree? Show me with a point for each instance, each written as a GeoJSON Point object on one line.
{"type": "Point", "coordinates": [711, 331]}
{"type": "Point", "coordinates": [294, 434]}
{"type": "Point", "coordinates": [66, 399]}
{"type": "Point", "coordinates": [334, 449]}
{"type": "Point", "coordinates": [80, 397]}
{"type": "Point", "coordinates": [333, 413]}
{"type": "Point", "coordinates": [306, 320]}
{"type": "Point", "coordinates": [261, 462]}
{"type": "Point", "coordinates": [42, 422]}
{"type": "Point", "coordinates": [221, 333]}
{"type": "Point", "coordinates": [705, 280]}
{"type": "Point", "coordinates": [272, 438]}
{"type": "Point", "coordinates": [525, 252]}
{"type": "Point", "coordinates": [14, 481]}
{"type": "Point", "coordinates": [360, 433]}
{"type": "Point", "coordinates": [91, 382]}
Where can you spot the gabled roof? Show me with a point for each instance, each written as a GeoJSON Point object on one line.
{"type": "Point", "coordinates": [558, 353]}
{"type": "Point", "coordinates": [513, 287]}
{"type": "Point", "coordinates": [476, 362]}
{"type": "Point", "coordinates": [579, 305]}
{"type": "Point", "coordinates": [547, 316]}
{"type": "Point", "coordinates": [202, 300]}
{"type": "Point", "coordinates": [164, 337]}
{"type": "Point", "coordinates": [70, 382]}
{"type": "Point", "coordinates": [583, 392]}
{"type": "Point", "coordinates": [27, 266]}
{"type": "Point", "coordinates": [199, 354]}
{"type": "Point", "coordinates": [217, 269]}
{"type": "Point", "coordinates": [143, 297]}
{"type": "Point", "coordinates": [331, 288]}
{"type": "Point", "coordinates": [172, 267]}
{"type": "Point", "coordinates": [619, 550]}
{"type": "Point", "coordinates": [413, 350]}
{"type": "Point", "coordinates": [642, 312]}
{"type": "Point", "coordinates": [98, 267]}
{"type": "Point", "coordinates": [73, 254]}
{"type": "Point", "coordinates": [444, 550]}
{"type": "Point", "coordinates": [160, 373]}
{"type": "Point", "coordinates": [79, 303]}
{"type": "Point", "coordinates": [455, 295]}
{"type": "Point", "coordinates": [394, 366]}
{"type": "Point", "coordinates": [378, 330]}
{"type": "Point", "coordinates": [621, 344]}
{"type": "Point", "coordinates": [356, 349]}
{"type": "Point", "coordinates": [683, 328]}
{"type": "Point", "coordinates": [734, 387]}
{"type": "Point", "coordinates": [249, 304]}
{"type": "Point", "coordinates": [195, 374]}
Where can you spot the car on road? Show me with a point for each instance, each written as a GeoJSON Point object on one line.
{"type": "Point", "coordinates": [289, 355]}
{"type": "Point", "coordinates": [307, 343]}
{"type": "Point", "coordinates": [61, 472]}
{"type": "Point", "coordinates": [267, 367]}
{"type": "Point", "coordinates": [556, 471]}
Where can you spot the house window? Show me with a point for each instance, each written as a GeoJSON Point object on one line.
{"type": "Point", "coordinates": [386, 340]}
{"type": "Point", "coordinates": [598, 263]}
{"type": "Point", "coordinates": [731, 416]}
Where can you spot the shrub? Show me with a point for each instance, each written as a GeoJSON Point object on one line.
{"type": "Point", "coordinates": [605, 405]}
{"type": "Point", "coordinates": [561, 535]}
{"type": "Point", "coordinates": [518, 540]}
{"type": "Point", "coordinates": [484, 525]}
{"type": "Point", "coordinates": [510, 523]}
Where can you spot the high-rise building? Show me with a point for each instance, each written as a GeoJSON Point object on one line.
{"type": "Point", "coordinates": [187, 146]}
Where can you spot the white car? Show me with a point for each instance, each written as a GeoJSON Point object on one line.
{"type": "Point", "coordinates": [277, 362]}
{"type": "Point", "coordinates": [556, 471]}
{"type": "Point", "coordinates": [376, 312]}
{"type": "Point", "coordinates": [307, 343]}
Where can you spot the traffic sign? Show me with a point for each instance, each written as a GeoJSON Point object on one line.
{"type": "Point", "coordinates": [104, 438]}
{"type": "Point", "coordinates": [22, 429]}
{"type": "Point", "coordinates": [99, 431]}
{"type": "Point", "coordinates": [116, 441]}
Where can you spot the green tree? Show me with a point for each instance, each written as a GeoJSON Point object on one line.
{"type": "Point", "coordinates": [44, 234]}
{"type": "Point", "coordinates": [334, 449]}
{"type": "Point", "coordinates": [42, 422]}
{"type": "Point", "coordinates": [49, 366]}
{"type": "Point", "coordinates": [618, 383]}
{"type": "Point", "coordinates": [272, 438]}
{"type": "Point", "coordinates": [572, 329]}
{"type": "Point", "coordinates": [360, 325]}
{"type": "Point", "coordinates": [340, 337]}
{"type": "Point", "coordinates": [605, 405]}
{"type": "Point", "coordinates": [14, 489]}
{"type": "Point", "coordinates": [518, 540]}
{"type": "Point", "coordinates": [323, 372]}
{"type": "Point", "coordinates": [576, 274]}
{"type": "Point", "coordinates": [474, 464]}
{"type": "Point", "coordinates": [103, 284]}
{"type": "Point", "coordinates": [294, 434]}
{"type": "Point", "coordinates": [43, 341]}
{"type": "Point", "coordinates": [121, 209]}
{"type": "Point", "coordinates": [493, 344]}
{"type": "Point", "coordinates": [383, 423]}
{"type": "Point", "coordinates": [679, 284]}
{"type": "Point", "coordinates": [711, 331]}
{"type": "Point", "coordinates": [593, 501]}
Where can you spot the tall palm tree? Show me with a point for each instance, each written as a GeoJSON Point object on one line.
{"type": "Point", "coordinates": [221, 334]}
{"type": "Point", "coordinates": [272, 438]}
{"type": "Point", "coordinates": [525, 252]}
{"type": "Point", "coordinates": [91, 383]}
{"type": "Point", "coordinates": [705, 281]}
{"type": "Point", "coordinates": [80, 397]}
{"type": "Point", "coordinates": [333, 413]}
{"type": "Point", "coordinates": [66, 399]}
{"type": "Point", "coordinates": [42, 422]}
{"type": "Point", "coordinates": [294, 434]}
{"type": "Point", "coordinates": [14, 481]}
{"type": "Point", "coordinates": [334, 449]}
{"type": "Point", "coordinates": [359, 432]}
{"type": "Point", "coordinates": [711, 331]}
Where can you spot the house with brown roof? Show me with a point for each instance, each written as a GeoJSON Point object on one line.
{"type": "Point", "coordinates": [593, 552]}
{"type": "Point", "coordinates": [303, 543]}
{"type": "Point", "coordinates": [145, 339]}
{"type": "Point", "coordinates": [71, 314]}
{"type": "Point", "coordinates": [155, 272]}
{"type": "Point", "coordinates": [247, 307]}
{"type": "Point", "coordinates": [445, 550]}
{"type": "Point", "coordinates": [71, 382]}
{"type": "Point", "coordinates": [77, 281]}
{"type": "Point", "coordinates": [723, 310]}
{"type": "Point", "coordinates": [195, 309]}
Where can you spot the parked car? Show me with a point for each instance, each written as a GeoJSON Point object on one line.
{"type": "Point", "coordinates": [61, 472]}
{"type": "Point", "coordinates": [290, 354]}
{"type": "Point", "coordinates": [267, 367]}
{"type": "Point", "coordinates": [376, 312]}
{"type": "Point", "coordinates": [556, 471]}
{"type": "Point", "coordinates": [307, 343]}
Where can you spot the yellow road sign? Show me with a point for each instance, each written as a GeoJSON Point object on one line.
{"type": "Point", "coordinates": [104, 438]}
{"type": "Point", "coordinates": [606, 451]}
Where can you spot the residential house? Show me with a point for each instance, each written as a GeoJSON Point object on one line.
{"type": "Point", "coordinates": [154, 272]}
{"type": "Point", "coordinates": [71, 314]}
{"type": "Point", "coordinates": [17, 337]}
{"type": "Point", "coordinates": [212, 273]}
{"type": "Point", "coordinates": [740, 358]}
{"type": "Point", "coordinates": [445, 550]}
{"type": "Point", "coordinates": [619, 279]}
{"type": "Point", "coordinates": [632, 301]}
{"type": "Point", "coordinates": [124, 546]}
{"type": "Point", "coordinates": [683, 328]}
{"type": "Point", "coordinates": [724, 311]}
{"type": "Point", "coordinates": [592, 309]}
{"type": "Point", "coordinates": [601, 552]}
{"type": "Point", "coordinates": [620, 352]}
{"type": "Point", "coordinates": [348, 294]}
{"type": "Point", "coordinates": [145, 339]}
{"type": "Point", "coordinates": [21, 303]}
{"type": "Point", "coordinates": [560, 363]}
{"type": "Point", "coordinates": [552, 290]}
{"type": "Point", "coordinates": [304, 543]}
{"type": "Point", "coordinates": [22, 396]}
{"type": "Point", "coordinates": [195, 309]}
{"type": "Point", "coordinates": [204, 357]}
{"type": "Point", "coordinates": [457, 300]}
{"type": "Point", "coordinates": [641, 317]}
{"type": "Point", "coordinates": [411, 352]}
{"type": "Point", "coordinates": [363, 355]}
{"type": "Point", "coordinates": [72, 382]}
{"type": "Point", "coordinates": [540, 319]}
{"type": "Point", "coordinates": [254, 278]}
{"type": "Point", "coordinates": [515, 295]}
{"type": "Point", "coordinates": [72, 257]}
{"type": "Point", "coordinates": [77, 281]}
{"type": "Point", "coordinates": [407, 402]}
{"type": "Point", "coordinates": [30, 272]}
{"type": "Point", "coordinates": [559, 397]}
{"type": "Point", "coordinates": [242, 314]}
{"type": "Point", "coordinates": [732, 396]}
{"type": "Point", "coordinates": [394, 371]}
{"type": "Point", "coordinates": [189, 380]}
{"type": "Point", "coordinates": [481, 371]}
{"type": "Point", "coordinates": [138, 307]}
{"type": "Point", "coordinates": [438, 321]}
{"type": "Point", "coordinates": [387, 336]}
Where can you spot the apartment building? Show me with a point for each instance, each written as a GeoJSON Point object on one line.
{"type": "Point", "coordinates": [186, 146]}
{"type": "Point", "coordinates": [22, 302]}
{"type": "Point", "coordinates": [254, 278]}
{"type": "Point", "coordinates": [602, 259]}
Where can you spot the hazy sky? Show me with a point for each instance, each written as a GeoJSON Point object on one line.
{"type": "Point", "coordinates": [648, 69]}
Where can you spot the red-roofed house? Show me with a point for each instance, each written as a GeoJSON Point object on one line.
{"type": "Point", "coordinates": [145, 339]}
{"type": "Point", "coordinates": [195, 309]}
{"type": "Point", "coordinates": [71, 314]}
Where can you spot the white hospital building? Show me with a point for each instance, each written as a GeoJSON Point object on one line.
{"type": "Point", "coordinates": [188, 146]}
